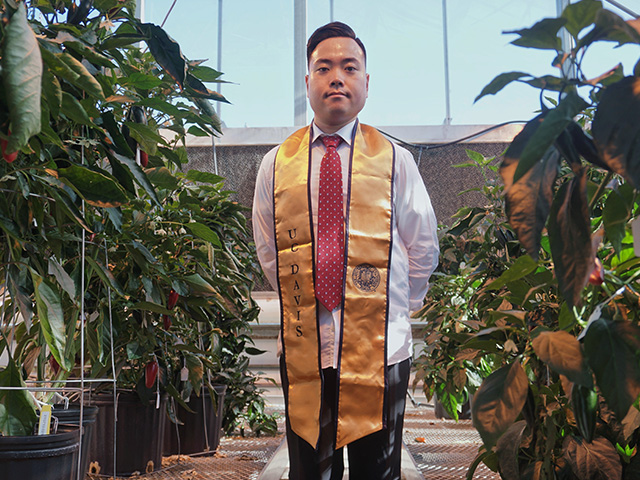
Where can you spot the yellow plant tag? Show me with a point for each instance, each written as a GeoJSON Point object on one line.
{"type": "Point", "coordinates": [44, 426]}
{"type": "Point", "coordinates": [635, 231]}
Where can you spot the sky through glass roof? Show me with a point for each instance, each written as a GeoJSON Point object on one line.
{"type": "Point", "coordinates": [404, 41]}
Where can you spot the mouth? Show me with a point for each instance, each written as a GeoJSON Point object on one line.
{"type": "Point", "coordinates": [336, 94]}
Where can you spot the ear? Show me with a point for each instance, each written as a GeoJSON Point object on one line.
{"type": "Point", "coordinates": [367, 86]}
{"type": "Point", "coordinates": [306, 81]}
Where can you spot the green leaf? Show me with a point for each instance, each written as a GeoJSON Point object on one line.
{"type": "Point", "coordinates": [611, 349]}
{"type": "Point", "coordinates": [161, 177]}
{"type": "Point", "coordinates": [615, 214]}
{"type": "Point", "coordinates": [548, 82]}
{"type": "Point", "coordinates": [73, 110]}
{"type": "Point", "coordinates": [70, 208]}
{"type": "Point", "coordinates": [200, 285]}
{"type": "Point", "coordinates": [570, 238]}
{"type": "Point", "coordinates": [85, 80]}
{"type": "Point", "coordinates": [121, 40]}
{"type": "Point", "coordinates": [123, 175]}
{"type": "Point", "coordinates": [51, 315]}
{"type": "Point", "coordinates": [166, 51]}
{"type": "Point", "coordinates": [146, 136]}
{"type": "Point", "coordinates": [96, 186]}
{"type": "Point", "coordinates": [499, 82]}
{"type": "Point", "coordinates": [119, 142]}
{"type": "Point", "coordinates": [11, 228]}
{"type": "Point", "coordinates": [553, 124]}
{"type": "Point", "coordinates": [197, 132]}
{"type": "Point", "coordinates": [205, 74]}
{"type": "Point", "coordinates": [196, 370]}
{"type": "Point", "coordinates": [64, 279]}
{"type": "Point", "coordinates": [583, 143]}
{"type": "Point", "coordinates": [528, 201]}
{"type": "Point", "coordinates": [197, 88]}
{"type": "Point", "coordinates": [561, 351]}
{"type": "Point", "coordinates": [139, 176]}
{"type": "Point", "coordinates": [596, 460]}
{"type": "Point", "coordinates": [543, 35]}
{"type": "Point", "coordinates": [580, 15]}
{"type": "Point", "coordinates": [499, 401]}
{"type": "Point", "coordinates": [152, 307]}
{"type": "Point", "coordinates": [616, 128]}
{"type": "Point", "coordinates": [91, 54]}
{"type": "Point", "coordinates": [566, 319]}
{"type": "Point", "coordinates": [132, 351]}
{"type": "Point", "coordinates": [522, 267]}
{"type": "Point", "coordinates": [162, 106]}
{"type": "Point", "coordinates": [20, 295]}
{"type": "Point", "coordinates": [22, 76]}
{"type": "Point", "coordinates": [105, 275]}
{"type": "Point", "coordinates": [17, 410]}
{"type": "Point", "coordinates": [203, 232]}
{"type": "Point", "coordinates": [609, 27]}
{"type": "Point", "coordinates": [204, 177]}
{"type": "Point", "coordinates": [145, 251]}
{"type": "Point", "coordinates": [475, 215]}
{"type": "Point", "coordinates": [141, 81]}
{"type": "Point", "coordinates": [507, 449]}
{"type": "Point", "coordinates": [56, 65]}
{"type": "Point", "coordinates": [209, 113]}
{"type": "Point", "coordinates": [52, 92]}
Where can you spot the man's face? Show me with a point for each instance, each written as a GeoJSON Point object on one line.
{"type": "Point", "coordinates": [337, 83]}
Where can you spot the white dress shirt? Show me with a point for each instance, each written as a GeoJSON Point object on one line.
{"type": "Point", "coordinates": [414, 254]}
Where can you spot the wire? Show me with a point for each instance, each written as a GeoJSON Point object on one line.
{"type": "Point", "coordinates": [455, 142]}
{"type": "Point", "coordinates": [623, 8]}
{"type": "Point", "coordinates": [168, 13]}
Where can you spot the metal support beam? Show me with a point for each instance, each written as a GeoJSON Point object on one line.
{"type": "Point", "coordinates": [140, 7]}
{"type": "Point", "coordinates": [300, 62]}
{"type": "Point", "coordinates": [219, 66]}
{"type": "Point", "coordinates": [447, 89]}
{"type": "Point", "coordinates": [568, 67]}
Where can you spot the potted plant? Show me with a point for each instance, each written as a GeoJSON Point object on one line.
{"type": "Point", "coordinates": [80, 113]}
{"type": "Point", "coordinates": [561, 320]}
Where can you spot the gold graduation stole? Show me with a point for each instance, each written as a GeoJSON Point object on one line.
{"type": "Point", "coordinates": [362, 355]}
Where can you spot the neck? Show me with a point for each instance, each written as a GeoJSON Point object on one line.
{"type": "Point", "coordinates": [333, 128]}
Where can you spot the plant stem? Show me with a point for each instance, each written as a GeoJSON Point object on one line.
{"type": "Point", "coordinates": [601, 188]}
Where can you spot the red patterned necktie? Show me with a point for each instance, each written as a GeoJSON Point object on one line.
{"type": "Point", "coordinates": [330, 262]}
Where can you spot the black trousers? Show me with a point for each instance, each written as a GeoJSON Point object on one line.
{"type": "Point", "coordinates": [374, 457]}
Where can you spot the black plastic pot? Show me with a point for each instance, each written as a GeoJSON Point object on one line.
{"type": "Point", "coordinates": [71, 416]}
{"type": "Point", "coordinates": [198, 427]}
{"type": "Point", "coordinates": [139, 434]}
{"type": "Point", "coordinates": [34, 457]}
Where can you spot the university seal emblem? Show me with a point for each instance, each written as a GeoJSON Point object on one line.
{"type": "Point", "coordinates": [366, 277]}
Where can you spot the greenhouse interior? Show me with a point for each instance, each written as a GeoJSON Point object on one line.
{"type": "Point", "coordinates": [454, 293]}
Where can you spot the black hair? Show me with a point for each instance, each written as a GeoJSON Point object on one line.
{"type": "Point", "coordinates": [330, 30]}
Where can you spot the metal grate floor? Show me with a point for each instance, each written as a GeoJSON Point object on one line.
{"type": "Point", "coordinates": [235, 459]}
{"type": "Point", "coordinates": [441, 450]}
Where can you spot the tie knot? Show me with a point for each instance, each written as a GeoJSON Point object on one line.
{"type": "Point", "coordinates": [331, 140]}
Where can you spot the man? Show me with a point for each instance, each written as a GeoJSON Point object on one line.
{"type": "Point", "coordinates": [346, 234]}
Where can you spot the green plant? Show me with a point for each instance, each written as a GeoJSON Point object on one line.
{"type": "Point", "coordinates": [87, 229]}
{"type": "Point", "coordinates": [478, 246]}
{"type": "Point", "coordinates": [562, 401]}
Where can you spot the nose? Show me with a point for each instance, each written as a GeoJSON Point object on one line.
{"type": "Point", "coordinates": [337, 80]}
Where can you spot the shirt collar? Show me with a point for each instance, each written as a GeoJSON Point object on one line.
{"type": "Point", "coordinates": [345, 132]}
